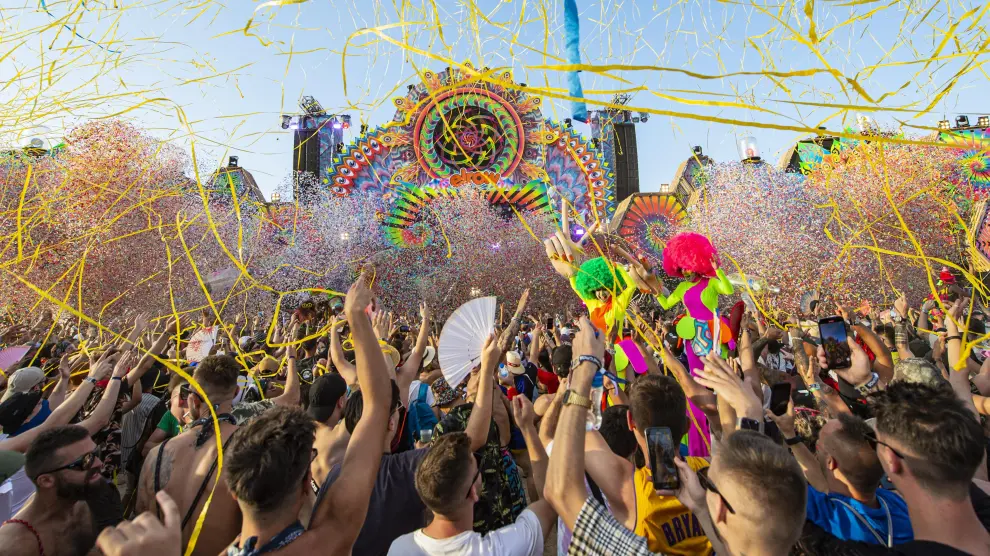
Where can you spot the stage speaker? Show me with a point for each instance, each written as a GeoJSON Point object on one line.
{"type": "Point", "coordinates": [306, 158]}
{"type": "Point", "coordinates": [626, 161]}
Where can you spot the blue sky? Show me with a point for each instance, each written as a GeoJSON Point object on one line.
{"type": "Point", "coordinates": [233, 86]}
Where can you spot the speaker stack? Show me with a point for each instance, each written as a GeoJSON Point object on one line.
{"type": "Point", "coordinates": [626, 161]}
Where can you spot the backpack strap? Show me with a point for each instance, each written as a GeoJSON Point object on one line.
{"type": "Point", "coordinates": [202, 488]}
{"type": "Point", "coordinates": [423, 389]}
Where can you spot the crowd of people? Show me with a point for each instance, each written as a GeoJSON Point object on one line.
{"type": "Point", "coordinates": [339, 434]}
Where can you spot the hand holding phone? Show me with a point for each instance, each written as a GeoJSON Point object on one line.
{"type": "Point", "coordinates": [780, 395]}
{"type": "Point", "coordinates": [835, 342]}
{"type": "Point", "coordinates": [660, 444]}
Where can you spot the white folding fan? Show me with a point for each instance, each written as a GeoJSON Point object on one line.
{"type": "Point", "coordinates": [463, 337]}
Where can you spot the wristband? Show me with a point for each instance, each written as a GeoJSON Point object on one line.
{"type": "Point", "coordinates": [870, 384]}
{"type": "Point", "coordinates": [587, 359]}
{"type": "Point", "coordinates": [814, 387]}
{"type": "Point", "coordinates": [956, 337]}
{"type": "Point", "coordinates": [90, 380]}
{"type": "Point", "coordinates": [116, 378]}
{"type": "Point", "coordinates": [792, 441]}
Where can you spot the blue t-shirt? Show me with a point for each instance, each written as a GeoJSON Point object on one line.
{"type": "Point", "coordinates": [38, 419]}
{"type": "Point", "coordinates": [826, 511]}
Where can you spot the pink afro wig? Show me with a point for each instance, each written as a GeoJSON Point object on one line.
{"type": "Point", "coordinates": [689, 252]}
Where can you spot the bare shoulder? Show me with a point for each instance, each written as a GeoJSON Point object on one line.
{"type": "Point", "coordinates": [17, 540]}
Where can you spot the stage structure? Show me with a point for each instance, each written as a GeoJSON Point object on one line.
{"type": "Point", "coordinates": [316, 138]}
{"type": "Point", "coordinates": [458, 131]}
{"type": "Point", "coordinates": [647, 220]}
{"type": "Point", "coordinates": [233, 182]}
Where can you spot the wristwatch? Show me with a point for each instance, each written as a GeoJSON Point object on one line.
{"type": "Point", "coordinates": [795, 440]}
{"type": "Point", "coordinates": [587, 359]}
{"type": "Point", "coordinates": [573, 398]}
{"type": "Point", "coordinates": [745, 423]}
{"type": "Point", "coordinates": [90, 380]}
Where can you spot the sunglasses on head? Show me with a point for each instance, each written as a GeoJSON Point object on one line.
{"type": "Point", "coordinates": [871, 438]}
{"type": "Point", "coordinates": [707, 484]}
{"type": "Point", "coordinates": [82, 463]}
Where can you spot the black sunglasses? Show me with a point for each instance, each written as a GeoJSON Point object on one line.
{"type": "Point", "coordinates": [708, 485]}
{"type": "Point", "coordinates": [82, 463]}
{"type": "Point", "coordinates": [871, 438]}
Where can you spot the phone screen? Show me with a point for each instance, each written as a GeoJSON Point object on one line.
{"type": "Point", "coordinates": [780, 395]}
{"type": "Point", "coordinates": [835, 342]}
{"type": "Point", "coordinates": [662, 449]}
{"type": "Point", "coordinates": [549, 324]}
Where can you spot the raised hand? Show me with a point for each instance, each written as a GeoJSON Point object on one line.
{"type": "Point", "coordinates": [785, 422]}
{"type": "Point", "coordinates": [145, 535]}
{"type": "Point", "coordinates": [124, 364]}
{"type": "Point", "coordinates": [718, 376]}
{"type": "Point", "coordinates": [490, 353]}
{"type": "Point", "coordinates": [100, 368]}
{"type": "Point", "coordinates": [425, 312]}
{"type": "Point", "coordinates": [901, 306]}
{"type": "Point", "coordinates": [588, 341]}
{"type": "Point", "coordinates": [858, 372]}
{"type": "Point", "coordinates": [358, 297]}
{"type": "Point", "coordinates": [522, 412]}
{"type": "Point", "coordinates": [644, 277]}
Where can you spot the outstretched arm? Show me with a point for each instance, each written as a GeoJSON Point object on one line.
{"type": "Point", "coordinates": [290, 395]}
{"type": "Point", "coordinates": [344, 367]}
{"type": "Point", "coordinates": [338, 521]}
{"type": "Point", "coordinates": [408, 371]}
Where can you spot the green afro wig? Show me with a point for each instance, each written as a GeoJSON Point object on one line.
{"type": "Point", "coordinates": [597, 274]}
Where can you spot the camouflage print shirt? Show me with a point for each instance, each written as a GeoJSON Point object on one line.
{"type": "Point", "coordinates": [503, 496]}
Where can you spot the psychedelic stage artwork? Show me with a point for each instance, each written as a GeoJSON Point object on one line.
{"type": "Point", "coordinates": [462, 130]}
{"type": "Point", "coordinates": [972, 169]}
{"type": "Point", "coordinates": [647, 220]}
{"type": "Point", "coordinates": [980, 243]}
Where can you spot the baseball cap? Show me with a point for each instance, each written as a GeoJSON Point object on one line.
{"type": "Point", "coordinates": [10, 462]}
{"type": "Point", "coordinates": [513, 361]}
{"type": "Point", "coordinates": [22, 381]}
{"type": "Point", "coordinates": [324, 394]}
{"type": "Point", "coordinates": [16, 410]}
{"type": "Point", "coordinates": [561, 360]}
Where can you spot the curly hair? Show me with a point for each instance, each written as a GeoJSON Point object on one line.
{"type": "Point", "coordinates": [689, 252]}
{"type": "Point", "coordinates": [597, 274]}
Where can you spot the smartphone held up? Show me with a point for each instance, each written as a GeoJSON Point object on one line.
{"type": "Point", "coordinates": [835, 342]}
{"type": "Point", "coordinates": [663, 450]}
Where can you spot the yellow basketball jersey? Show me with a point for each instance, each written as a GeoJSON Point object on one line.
{"type": "Point", "coordinates": [668, 526]}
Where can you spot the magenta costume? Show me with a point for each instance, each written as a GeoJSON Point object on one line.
{"type": "Point", "coordinates": [699, 329]}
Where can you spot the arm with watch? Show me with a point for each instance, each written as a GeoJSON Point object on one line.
{"type": "Point", "coordinates": [565, 488]}
{"type": "Point", "coordinates": [104, 410]}
{"type": "Point", "coordinates": [734, 392]}
{"type": "Point", "coordinates": [290, 395]}
{"type": "Point", "coordinates": [807, 461]}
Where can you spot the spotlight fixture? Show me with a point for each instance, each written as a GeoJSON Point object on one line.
{"type": "Point", "coordinates": [286, 121]}
{"type": "Point", "coordinates": [346, 120]}
{"type": "Point", "coordinates": [311, 106]}
{"type": "Point", "coordinates": [276, 197]}
{"type": "Point", "coordinates": [523, 85]}
{"type": "Point", "coordinates": [644, 116]}
{"type": "Point", "coordinates": [232, 162]}
{"type": "Point", "coordinates": [411, 88]}
{"type": "Point", "coordinates": [635, 119]}
{"type": "Point", "coordinates": [339, 148]}
{"type": "Point", "coordinates": [364, 129]}
{"type": "Point", "coordinates": [943, 125]}
{"type": "Point", "coordinates": [697, 150]}
{"type": "Point", "coordinates": [983, 121]}
{"type": "Point", "coordinates": [567, 123]}
{"type": "Point", "coordinates": [962, 121]}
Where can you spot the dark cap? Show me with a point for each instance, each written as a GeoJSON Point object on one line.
{"type": "Point", "coordinates": [16, 410]}
{"type": "Point", "coordinates": [324, 394]}
{"type": "Point", "coordinates": [561, 360]}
